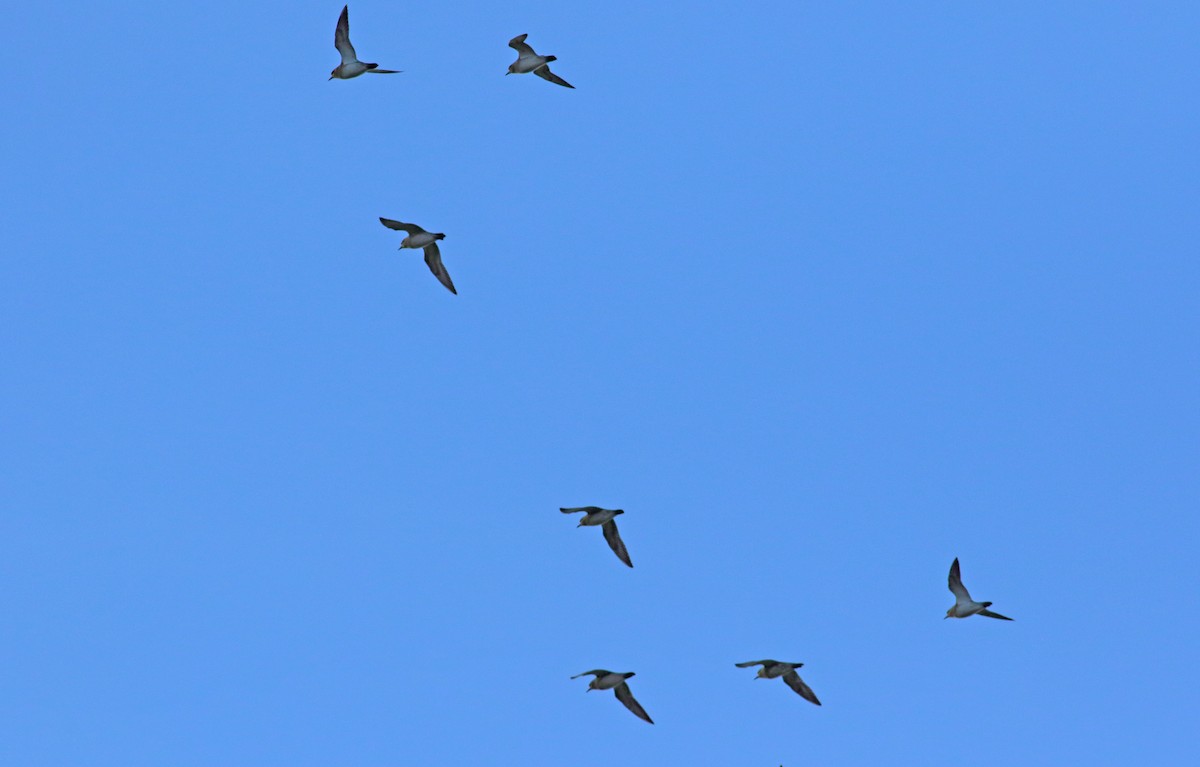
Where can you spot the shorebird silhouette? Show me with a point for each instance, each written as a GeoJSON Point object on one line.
{"type": "Point", "coordinates": [774, 668]}
{"type": "Point", "coordinates": [606, 519]}
{"type": "Point", "coordinates": [964, 606]}
{"type": "Point", "coordinates": [351, 66]}
{"type": "Point", "coordinates": [615, 681]}
{"type": "Point", "coordinates": [427, 241]}
{"type": "Point", "coordinates": [529, 61]}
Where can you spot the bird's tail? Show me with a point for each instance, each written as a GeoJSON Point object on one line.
{"type": "Point", "coordinates": [986, 604]}
{"type": "Point", "coordinates": [439, 236]}
{"type": "Point", "coordinates": [551, 58]}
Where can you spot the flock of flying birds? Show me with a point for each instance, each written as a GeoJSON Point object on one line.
{"type": "Point", "coordinates": [964, 607]}
{"type": "Point", "coordinates": [528, 61]}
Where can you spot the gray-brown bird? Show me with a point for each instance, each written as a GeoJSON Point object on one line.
{"type": "Point", "coordinates": [964, 606]}
{"type": "Point", "coordinates": [529, 61]}
{"type": "Point", "coordinates": [351, 66]}
{"type": "Point", "coordinates": [772, 669]}
{"type": "Point", "coordinates": [615, 681]}
{"type": "Point", "coordinates": [606, 519]}
{"type": "Point", "coordinates": [427, 241]}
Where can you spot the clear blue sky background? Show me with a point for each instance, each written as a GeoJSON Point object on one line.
{"type": "Point", "coordinates": [822, 294]}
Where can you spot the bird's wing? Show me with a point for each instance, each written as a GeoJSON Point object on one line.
{"type": "Point", "coordinates": [384, 71]}
{"type": "Point", "coordinates": [593, 672]}
{"type": "Point", "coordinates": [546, 74]}
{"type": "Point", "coordinates": [796, 683]}
{"type": "Point", "coordinates": [626, 697]}
{"type": "Point", "coordinates": [433, 259]}
{"type": "Point", "coordinates": [400, 226]}
{"type": "Point", "coordinates": [750, 663]}
{"type": "Point", "coordinates": [577, 509]}
{"type": "Point", "coordinates": [956, 585]}
{"type": "Point", "coordinates": [518, 44]}
{"type": "Point", "coordinates": [341, 37]}
{"type": "Point", "coordinates": [991, 614]}
{"type": "Point", "coordinates": [614, 541]}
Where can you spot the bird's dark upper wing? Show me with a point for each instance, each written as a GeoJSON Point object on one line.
{"type": "Point", "coordinates": [577, 509]}
{"type": "Point", "coordinates": [400, 226]}
{"type": "Point", "coordinates": [991, 614]}
{"type": "Point", "coordinates": [546, 74]}
{"type": "Point", "coordinates": [341, 37]}
{"type": "Point", "coordinates": [626, 697]}
{"type": "Point", "coordinates": [796, 683]}
{"type": "Point", "coordinates": [750, 663]}
{"type": "Point", "coordinates": [614, 541]}
{"type": "Point", "coordinates": [433, 258]}
{"type": "Point", "coordinates": [518, 44]}
{"type": "Point", "coordinates": [956, 584]}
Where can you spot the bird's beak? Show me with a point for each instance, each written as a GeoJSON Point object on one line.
{"type": "Point", "coordinates": [506, 74]}
{"type": "Point", "coordinates": [330, 77]}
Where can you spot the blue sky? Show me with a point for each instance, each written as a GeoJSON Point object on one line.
{"type": "Point", "coordinates": [822, 294]}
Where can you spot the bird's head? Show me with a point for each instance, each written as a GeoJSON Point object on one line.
{"type": "Point", "coordinates": [949, 613]}
{"type": "Point", "coordinates": [333, 74]}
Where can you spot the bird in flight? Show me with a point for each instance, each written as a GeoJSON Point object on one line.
{"type": "Point", "coordinates": [606, 518]}
{"type": "Point", "coordinates": [419, 238]}
{"type": "Point", "coordinates": [608, 680]}
{"type": "Point", "coordinates": [351, 66]}
{"type": "Point", "coordinates": [529, 61]}
{"type": "Point", "coordinates": [772, 669]}
{"type": "Point", "coordinates": [964, 606]}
